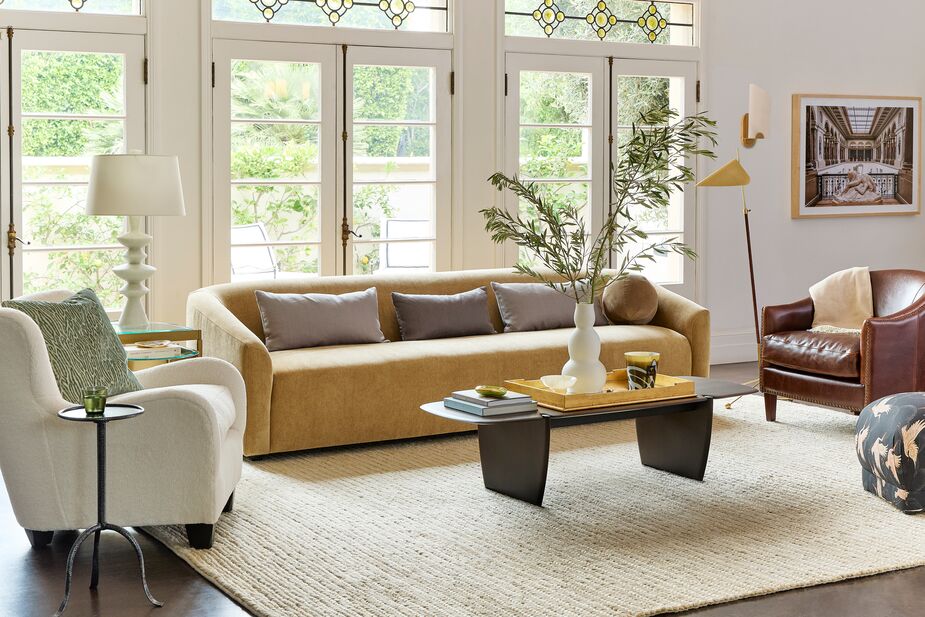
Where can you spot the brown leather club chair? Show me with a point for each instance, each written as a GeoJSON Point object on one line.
{"type": "Point", "coordinates": [845, 370]}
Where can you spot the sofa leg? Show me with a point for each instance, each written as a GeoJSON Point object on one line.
{"type": "Point", "coordinates": [229, 505]}
{"type": "Point", "coordinates": [770, 407]}
{"type": "Point", "coordinates": [200, 535]}
{"type": "Point", "coordinates": [38, 539]}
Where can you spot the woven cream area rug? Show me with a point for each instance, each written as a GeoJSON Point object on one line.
{"type": "Point", "coordinates": [409, 529]}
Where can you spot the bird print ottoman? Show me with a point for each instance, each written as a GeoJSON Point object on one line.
{"type": "Point", "coordinates": [890, 443]}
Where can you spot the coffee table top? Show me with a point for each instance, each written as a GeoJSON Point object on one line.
{"type": "Point", "coordinates": [707, 389]}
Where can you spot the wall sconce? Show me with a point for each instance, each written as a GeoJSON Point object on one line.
{"type": "Point", "coordinates": [756, 123]}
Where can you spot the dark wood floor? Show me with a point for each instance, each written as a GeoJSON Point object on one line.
{"type": "Point", "coordinates": [32, 581]}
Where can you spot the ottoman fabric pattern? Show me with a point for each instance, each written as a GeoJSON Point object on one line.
{"type": "Point", "coordinates": [890, 441]}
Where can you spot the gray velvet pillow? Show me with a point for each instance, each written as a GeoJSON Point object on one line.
{"type": "Point", "coordinates": [533, 306]}
{"type": "Point", "coordinates": [84, 350]}
{"type": "Point", "coordinates": [296, 321]}
{"type": "Point", "coordinates": [422, 317]}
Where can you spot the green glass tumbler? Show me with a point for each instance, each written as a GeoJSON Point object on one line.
{"type": "Point", "coordinates": [95, 401]}
{"type": "Point", "coordinates": [641, 369]}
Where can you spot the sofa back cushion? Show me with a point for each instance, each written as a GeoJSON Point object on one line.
{"type": "Point", "coordinates": [240, 300]}
{"type": "Point", "coordinates": [294, 321]}
{"type": "Point", "coordinates": [527, 307]}
{"type": "Point", "coordinates": [423, 317]}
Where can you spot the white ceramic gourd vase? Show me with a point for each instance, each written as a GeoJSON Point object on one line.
{"type": "Point", "coordinates": [584, 351]}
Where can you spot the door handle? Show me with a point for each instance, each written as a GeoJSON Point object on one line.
{"type": "Point", "coordinates": [12, 238]}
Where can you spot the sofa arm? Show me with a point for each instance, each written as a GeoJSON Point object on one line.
{"type": "Point", "coordinates": [890, 357]}
{"type": "Point", "coordinates": [787, 317]}
{"type": "Point", "coordinates": [689, 319]}
{"type": "Point", "coordinates": [226, 338]}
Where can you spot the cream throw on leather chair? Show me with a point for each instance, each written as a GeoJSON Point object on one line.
{"type": "Point", "coordinates": [178, 463]}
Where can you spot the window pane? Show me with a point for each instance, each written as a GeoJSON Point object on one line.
{"type": "Point", "coordinates": [426, 15]}
{"type": "Point", "coordinates": [73, 83]}
{"type": "Point", "coordinates": [75, 270]}
{"type": "Point", "coordinates": [264, 262]}
{"type": "Point", "coordinates": [393, 257]}
{"type": "Point", "coordinates": [627, 21]}
{"type": "Point", "coordinates": [114, 7]}
{"type": "Point", "coordinates": [275, 90]}
{"type": "Point", "coordinates": [274, 151]}
{"type": "Point", "coordinates": [555, 98]}
{"type": "Point", "coordinates": [54, 216]}
{"type": "Point", "coordinates": [278, 213]}
{"type": "Point", "coordinates": [394, 211]}
{"type": "Point", "coordinates": [638, 95]}
{"type": "Point", "coordinates": [393, 93]}
{"type": "Point", "coordinates": [555, 152]}
{"type": "Point", "coordinates": [393, 153]}
{"type": "Point", "coordinates": [664, 270]}
{"type": "Point", "coordinates": [559, 195]}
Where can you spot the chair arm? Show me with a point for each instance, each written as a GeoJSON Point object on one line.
{"type": "Point", "coordinates": [891, 347]}
{"type": "Point", "coordinates": [225, 337]}
{"type": "Point", "coordinates": [212, 371]}
{"type": "Point", "coordinates": [787, 317]}
{"type": "Point", "coordinates": [689, 319]}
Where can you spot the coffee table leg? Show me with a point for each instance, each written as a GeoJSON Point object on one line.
{"type": "Point", "coordinates": [678, 443]}
{"type": "Point", "coordinates": [515, 456]}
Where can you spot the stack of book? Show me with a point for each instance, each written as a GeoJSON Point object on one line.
{"type": "Point", "coordinates": [472, 402]}
{"type": "Point", "coordinates": [141, 352]}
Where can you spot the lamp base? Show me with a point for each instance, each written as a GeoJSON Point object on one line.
{"type": "Point", "coordinates": [134, 272]}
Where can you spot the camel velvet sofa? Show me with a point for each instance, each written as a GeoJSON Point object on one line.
{"type": "Point", "coordinates": [328, 396]}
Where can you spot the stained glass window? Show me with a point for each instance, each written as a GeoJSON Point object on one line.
{"type": "Point", "coordinates": [411, 15]}
{"type": "Point", "coordinates": [110, 7]}
{"type": "Point", "coordinates": [625, 21]}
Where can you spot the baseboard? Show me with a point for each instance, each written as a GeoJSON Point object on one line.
{"type": "Point", "coordinates": [733, 346]}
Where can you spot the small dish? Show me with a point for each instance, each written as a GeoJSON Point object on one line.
{"type": "Point", "coordinates": [152, 344]}
{"type": "Point", "coordinates": [558, 383]}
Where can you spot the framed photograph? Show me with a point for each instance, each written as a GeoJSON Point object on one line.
{"type": "Point", "coordinates": [856, 155]}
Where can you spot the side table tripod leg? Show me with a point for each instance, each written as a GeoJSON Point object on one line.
{"type": "Point", "coordinates": [141, 561]}
{"type": "Point", "coordinates": [95, 571]}
{"type": "Point", "coordinates": [69, 570]}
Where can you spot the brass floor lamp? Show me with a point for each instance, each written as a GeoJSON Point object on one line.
{"type": "Point", "coordinates": [733, 174]}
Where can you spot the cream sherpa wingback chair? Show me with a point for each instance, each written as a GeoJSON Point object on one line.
{"type": "Point", "coordinates": [178, 463]}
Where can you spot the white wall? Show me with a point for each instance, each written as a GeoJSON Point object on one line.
{"type": "Point", "coordinates": [787, 47]}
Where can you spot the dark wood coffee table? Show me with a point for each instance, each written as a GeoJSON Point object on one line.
{"type": "Point", "coordinates": [673, 436]}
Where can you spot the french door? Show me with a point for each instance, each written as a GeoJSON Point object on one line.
{"type": "Point", "coordinates": [566, 118]}
{"type": "Point", "coordinates": [329, 160]}
{"type": "Point", "coordinates": [70, 96]}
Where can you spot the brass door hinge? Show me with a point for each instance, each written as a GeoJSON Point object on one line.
{"type": "Point", "coordinates": [698, 90]}
{"type": "Point", "coordinates": [452, 83]}
{"type": "Point", "coordinates": [213, 74]}
{"type": "Point", "coordinates": [144, 71]}
{"type": "Point", "coordinates": [505, 84]}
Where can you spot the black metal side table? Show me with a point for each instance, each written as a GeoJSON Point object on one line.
{"type": "Point", "coordinates": [112, 413]}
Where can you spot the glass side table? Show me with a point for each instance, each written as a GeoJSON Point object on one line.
{"type": "Point", "coordinates": [156, 331]}
{"type": "Point", "coordinates": [113, 412]}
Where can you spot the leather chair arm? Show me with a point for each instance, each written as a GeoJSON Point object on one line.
{"type": "Point", "coordinates": [890, 353]}
{"type": "Point", "coordinates": [787, 317]}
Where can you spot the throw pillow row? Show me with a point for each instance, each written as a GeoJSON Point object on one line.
{"type": "Point", "coordinates": [296, 321]}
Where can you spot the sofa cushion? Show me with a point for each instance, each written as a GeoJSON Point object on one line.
{"type": "Point", "coordinates": [83, 348]}
{"type": "Point", "coordinates": [834, 354]}
{"type": "Point", "coordinates": [528, 307]}
{"type": "Point", "coordinates": [631, 300]}
{"type": "Point", "coordinates": [293, 321]}
{"type": "Point", "coordinates": [315, 401]}
{"type": "Point", "coordinates": [427, 316]}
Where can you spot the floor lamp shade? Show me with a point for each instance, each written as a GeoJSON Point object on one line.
{"type": "Point", "coordinates": [135, 186]}
{"type": "Point", "coordinates": [730, 174]}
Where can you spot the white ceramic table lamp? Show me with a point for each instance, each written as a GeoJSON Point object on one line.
{"type": "Point", "coordinates": [135, 186]}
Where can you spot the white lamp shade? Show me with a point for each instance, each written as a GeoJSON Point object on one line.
{"type": "Point", "coordinates": [135, 185]}
{"type": "Point", "coordinates": [759, 113]}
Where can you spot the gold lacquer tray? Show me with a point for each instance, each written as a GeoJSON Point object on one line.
{"type": "Point", "coordinates": [616, 392]}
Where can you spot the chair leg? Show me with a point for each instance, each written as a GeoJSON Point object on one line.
{"type": "Point", "coordinates": [770, 407]}
{"type": "Point", "coordinates": [200, 535]}
{"type": "Point", "coordinates": [38, 539]}
{"type": "Point", "coordinates": [229, 505]}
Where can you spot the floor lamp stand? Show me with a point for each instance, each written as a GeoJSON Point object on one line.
{"type": "Point", "coordinates": [134, 272]}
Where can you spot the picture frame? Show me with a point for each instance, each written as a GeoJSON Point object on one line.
{"type": "Point", "coordinates": [854, 155]}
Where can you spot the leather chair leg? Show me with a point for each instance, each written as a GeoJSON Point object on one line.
{"type": "Point", "coordinates": [229, 505]}
{"type": "Point", "coordinates": [770, 407]}
{"type": "Point", "coordinates": [200, 535]}
{"type": "Point", "coordinates": [38, 539]}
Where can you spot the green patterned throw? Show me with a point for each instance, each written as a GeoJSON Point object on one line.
{"type": "Point", "coordinates": [84, 349]}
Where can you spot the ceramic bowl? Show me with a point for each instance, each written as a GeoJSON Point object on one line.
{"type": "Point", "coordinates": [559, 383]}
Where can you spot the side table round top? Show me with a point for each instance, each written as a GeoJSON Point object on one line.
{"type": "Point", "coordinates": [113, 411]}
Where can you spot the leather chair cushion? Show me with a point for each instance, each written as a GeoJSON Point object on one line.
{"type": "Point", "coordinates": [837, 355]}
